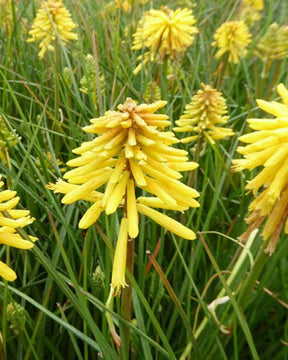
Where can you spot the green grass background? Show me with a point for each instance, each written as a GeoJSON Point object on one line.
{"type": "Point", "coordinates": [64, 311]}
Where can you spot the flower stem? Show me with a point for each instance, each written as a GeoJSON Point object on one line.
{"type": "Point", "coordinates": [126, 304]}
{"type": "Point", "coordinates": [221, 71]}
{"type": "Point", "coordinates": [57, 94]}
{"type": "Point", "coordinates": [253, 276]}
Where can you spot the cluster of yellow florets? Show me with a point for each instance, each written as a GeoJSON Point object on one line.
{"type": "Point", "coordinates": [52, 20]}
{"type": "Point", "coordinates": [274, 44]}
{"type": "Point", "coordinates": [232, 39]}
{"type": "Point", "coordinates": [10, 220]}
{"type": "Point", "coordinates": [131, 151]}
{"type": "Point", "coordinates": [165, 33]}
{"type": "Point", "coordinates": [207, 110]}
{"type": "Point", "coordinates": [268, 149]}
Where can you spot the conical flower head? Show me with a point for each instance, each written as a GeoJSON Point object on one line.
{"type": "Point", "coordinates": [89, 81]}
{"type": "Point", "coordinates": [165, 32]}
{"type": "Point", "coordinates": [268, 149]}
{"type": "Point", "coordinates": [232, 37]}
{"type": "Point", "coordinates": [10, 220]}
{"type": "Point", "coordinates": [274, 44]}
{"type": "Point", "coordinates": [132, 150]}
{"type": "Point", "coordinates": [52, 19]}
{"type": "Point", "coordinates": [207, 109]}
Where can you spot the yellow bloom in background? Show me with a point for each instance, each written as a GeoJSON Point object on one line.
{"type": "Point", "coordinates": [249, 15]}
{"type": "Point", "coordinates": [274, 44]}
{"type": "Point", "coordinates": [254, 4]}
{"type": "Point", "coordinates": [10, 220]}
{"type": "Point", "coordinates": [232, 38]}
{"type": "Point", "coordinates": [268, 148]}
{"type": "Point", "coordinates": [165, 32]}
{"type": "Point", "coordinates": [52, 19]}
{"type": "Point", "coordinates": [6, 15]}
{"type": "Point", "coordinates": [132, 150]}
{"type": "Point", "coordinates": [207, 109]}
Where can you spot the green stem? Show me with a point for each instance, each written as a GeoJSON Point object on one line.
{"type": "Point", "coordinates": [253, 276]}
{"type": "Point", "coordinates": [221, 71]}
{"type": "Point", "coordinates": [163, 77]}
{"type": "Point", "coordinates": [57, 94]}
{"type": "Point", "coordinates": [126, 304]}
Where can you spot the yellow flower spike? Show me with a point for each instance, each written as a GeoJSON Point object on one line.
{"type": "Point", "coordinates": [232, 37]}
{"type": "Point", "coordinates": [207, 109]}
{"type": "Point", "coordinates": [9, 222]}
{"type": "Point", "coordinates": [138, 154]}
{"type": "Point", "coordinates": [119, 263]}
{"type": "Point", "coordinates": [255, 4]}
{"type": "Point", "coordinates": [164, 32]}
{"type": "Point", "coordinates": [52, 16]}
{"type": "Point", "coordinates": [273, 45]}
{"type": "Point", "coordinates": [268, 148]}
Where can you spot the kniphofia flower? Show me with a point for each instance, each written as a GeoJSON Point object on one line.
{"type": "Point", "coordinates": [268, 149]}
{"type": "Point", "coordinates": [10, 220]}
{"type": "Point", "coordinates": [250, 11]}
{"type": "Point", "coordinates": [165, 32]}
{"type": "Point", "coordinates": [254, 4]}
{"type": "Point", "coordinates": [52, 19]}
{"type": "Point", "coordinates": [232, 38]}
{"type": "Point", "coordinates": [132, 150]}
{"type": "Point", "coordinates": [6, 15]}
{"type": "Point", "coordinates": [274, 44]}
{"type": "Point", "coordinates": [207, 110]}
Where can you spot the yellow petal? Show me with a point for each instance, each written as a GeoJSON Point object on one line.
{"type": "Point", "coordinates": [166, 222]}
{"type": "Point", "coordinates": [119, 262]}
{"type": "Point", "coordinates": [91, 215]}
{"type": "Point", "coordinates": [118, 193]}
{"type": "Point", "coordinates": [16, 241]}
{"type": "Point", "coordinates": [7, 273]}
{"type": "Point", "coordinates": [132, 213]}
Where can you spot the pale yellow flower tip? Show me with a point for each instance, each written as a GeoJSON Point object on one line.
{"type": "Point", "coordinates": [119, 263]}
{"type": "Point", "coordinates": [7, 273]}
{"type": "Point", "coordinates": [166, 222]}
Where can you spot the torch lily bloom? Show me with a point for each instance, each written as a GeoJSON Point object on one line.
{"type": "Point", "coordinates": [132, 150]}
{"type": "Point", "coordinates": [232, 38]}
{"type": "Point", "coordinates": [52, 19]}
{"type": "Point", "coordinates": [268, 149]}
{"type": "Point", "coordinates": [207, 109]}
